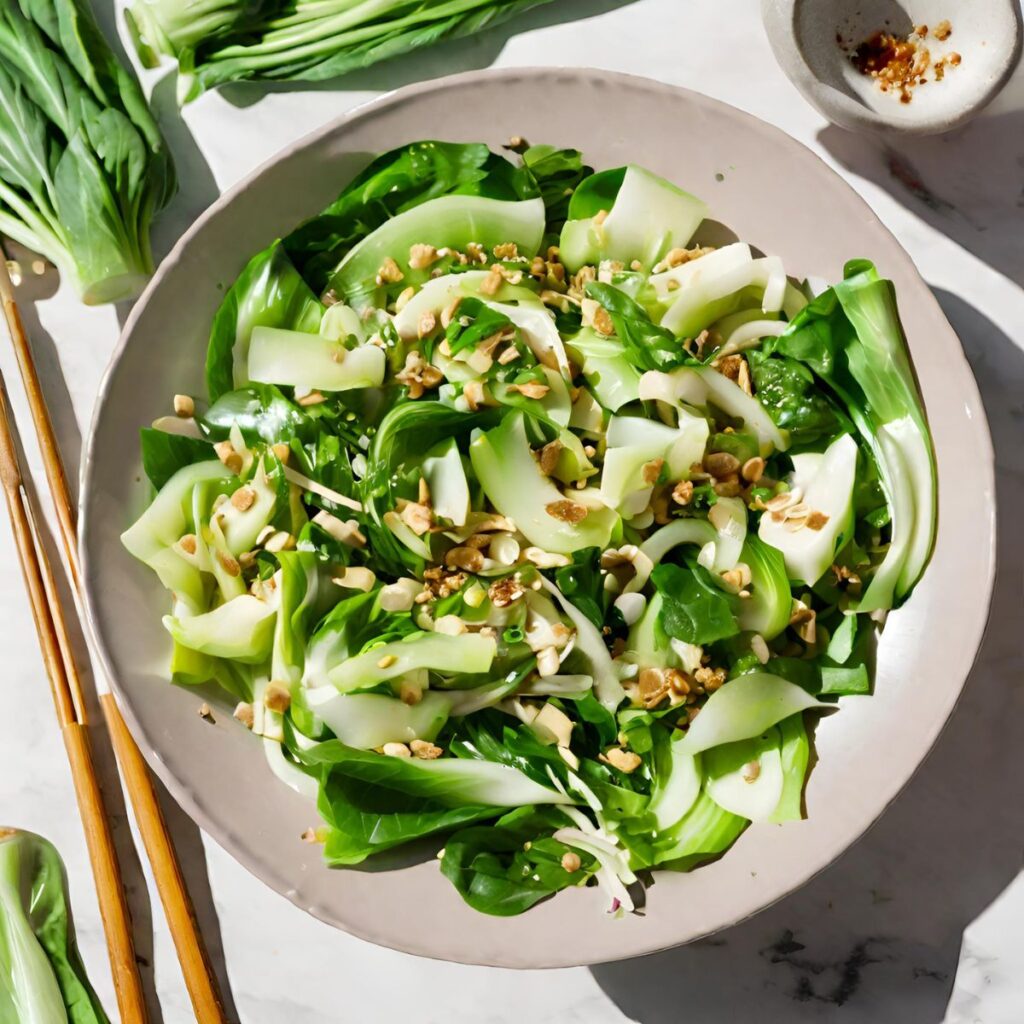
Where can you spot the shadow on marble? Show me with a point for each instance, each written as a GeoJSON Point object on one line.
{"type": "Point", "coordinates": [446, 58]}
{"type": "Point", "coordinates": [184, 832]}
{"type": "Point", "coordinates": [188, 843]}
{"type": "Point", "coordinates": [968, 184]}
{"type": "Point", "coordinates": [31, 291]}
{"type": "Point", "coordinates": [136, 891]}
{"type": "Point", "coordinates": [197, 187]}
{"type": "Point", "coordinates": [877, 936]}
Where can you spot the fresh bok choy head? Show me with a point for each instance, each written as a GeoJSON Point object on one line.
{"type": "Point", "coordinates": [83, 167]}
{"type": "Point", "coordinates": [42, 980]}
{"type": "Point", "coordinates": [544, 552]}
{"type": "Point", "coordinates": [221, 41]}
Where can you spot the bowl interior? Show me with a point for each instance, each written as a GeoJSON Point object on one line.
{"type": "Point", "coordinates": [773, 193]}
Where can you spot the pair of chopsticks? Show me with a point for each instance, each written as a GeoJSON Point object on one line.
{"type": "Point", "coordinates": [69, 701]}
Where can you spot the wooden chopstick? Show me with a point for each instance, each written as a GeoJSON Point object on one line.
{"type": "Point", "coordinates": [69, 702]}
{"type": "Point", "coordinates": [170, 883]}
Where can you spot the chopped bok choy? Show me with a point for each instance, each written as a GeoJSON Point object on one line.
{"type": "Point", "coordinates": [545, 554]}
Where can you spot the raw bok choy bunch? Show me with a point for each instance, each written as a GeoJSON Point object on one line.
{"type": "Point", "coordinates": [83, 167]}
{"type": "Point", "coordinates": [42, 980]}
{"type": "Point", "coordinates": [221, 41]}
{"type": "Point", "coordinates": [517, 518]}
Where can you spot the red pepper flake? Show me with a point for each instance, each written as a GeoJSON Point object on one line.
{"type": "Point", "coordinates": [901, 64]}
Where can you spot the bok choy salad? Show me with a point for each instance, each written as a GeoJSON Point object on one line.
{"type": "Point", "coordinates": [516, 518]}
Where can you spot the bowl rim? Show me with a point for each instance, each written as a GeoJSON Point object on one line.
{"type": "Point", "coordinates": [192, 800]}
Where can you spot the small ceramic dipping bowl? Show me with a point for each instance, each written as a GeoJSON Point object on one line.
{"type": "Point", "coordinates": [816, 42]}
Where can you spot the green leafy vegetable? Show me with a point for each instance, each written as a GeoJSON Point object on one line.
{"type": "Point", "coordinates": [851, 337]}
{"type": "Point", "coordinates": [83, 168]}
{"type": "Point", "coordinates": [786, 388]}
{"type": "Point", "coordinates": [645, 345]}
{"type": "Point", "coordinates": [41, 974]}
{"type": "Point", "coordinates": [693, 607]}
{"type": "Point", "coordinates": [164, 454]}
{"type": "Point", "coordinates": [553, 597]}
{"type": "Point", "coordinates": [512, 865]}
{"type": "Point", "coordinates": [307, 41]}
{"type": "Point", "coordinates": [268, 293]}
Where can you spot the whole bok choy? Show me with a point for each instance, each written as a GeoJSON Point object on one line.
{"type": "Point", "coordinates": [42, 980]}
{"type": "Point", "coordinates": [221, 41]}
{"type": "Point", "coordinates": [83, 167]}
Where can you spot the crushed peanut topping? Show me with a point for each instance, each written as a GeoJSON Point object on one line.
{"type": "Point", "coordinates": [440, 583]}
{"type": "Point", "coordinates": [184, 406]}
{"type": "Point", "coordinates": [729, 366]}
{"type": "Point", "coordinates": [710, 678]}
{"type": "Point", "coordinates": [188, 543]}
{"type": "Point", "coordinates": [531, 389]}
{"type": "Point", "coordinates": [467, 558]}
{"type": "Point", "coordinates": [491, 284]}
{"type": "Point", "coordinates": [243, 498]}
{"type": "Point", "coordinates": [228, 563]}
{"type": "Point", "coordinates": [280, 541]}
{"type": "Point", "coordinates": [418, 517]}
{"type": "Point", "coordinates": [389, 272]}
{"type": "Point", "coordinates": [682, 493]}
{"type": "Point", "coordinates": [225, 451]}
{"type": "Point", "coordinates": [505, 591]}
{"type": "Point", "coordinates": [753, 469]}
{"type": "Point", "coordinates": [567, 511]}
{"type": "Point", "coordinates": [652, 686]}
{"type": "Point", "coordinates": [404, 298]}
{"type": "Point", "coordinates": [548, 458]}
{"type": "Point", "coordinates": [448, 314]}
{"type": "Point", "coordinates": [803, 619]}
{"type": "Point", "coordinates": [204, 711]}
{"type": "Point", "coordinates": [277, 698]}
{"type": "Point", "coordinates": [244, 713]}
{"type": "Point", "coordinates": [816, 521]}
{"type": "Point", "coordinates": [426, 323]}
{"type": "Point", "coordinates": [625, 760]}
{"type": "Point", "coordinates": [603, 323]}
{"type": "Point", "coordinates": [418, 375]}
{"type": "Point", "coordinates": [571, 862]}
{"type": "Point", "coordinates": [506, 251]}
{"type": "Point", "coordinates": [422, 256]}
{"type": "Point", "coordinates": [744, 379]}
{"type": "Point", "coordinates": [677, 257]}
{"type": "Point", "coordinates": [425, 750]}
{"type": "Point", "coordinates": [651, 471]}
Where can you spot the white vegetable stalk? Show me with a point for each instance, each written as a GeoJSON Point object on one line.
{"type": "Point", "coordinates": [591, 644]}
{"type": "Point", "coordinates": [301, 480]}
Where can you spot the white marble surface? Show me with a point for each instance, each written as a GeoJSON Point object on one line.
{"type": "Point", "coordinates": [922, 921]}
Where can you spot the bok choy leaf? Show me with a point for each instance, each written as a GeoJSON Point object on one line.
{"type": "Point", "coordinates": [83, 168]}
{"type": "Point", "coordinates": [42, 979]}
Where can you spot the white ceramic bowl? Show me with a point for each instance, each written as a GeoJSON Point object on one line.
{"type": "Point", "coordinates": [812, 41]}
{"type": "Point", "coordinates": [773, 193]}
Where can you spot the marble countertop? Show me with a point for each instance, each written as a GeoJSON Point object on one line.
{"type": "Point", "coordinates": [922, 921]}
